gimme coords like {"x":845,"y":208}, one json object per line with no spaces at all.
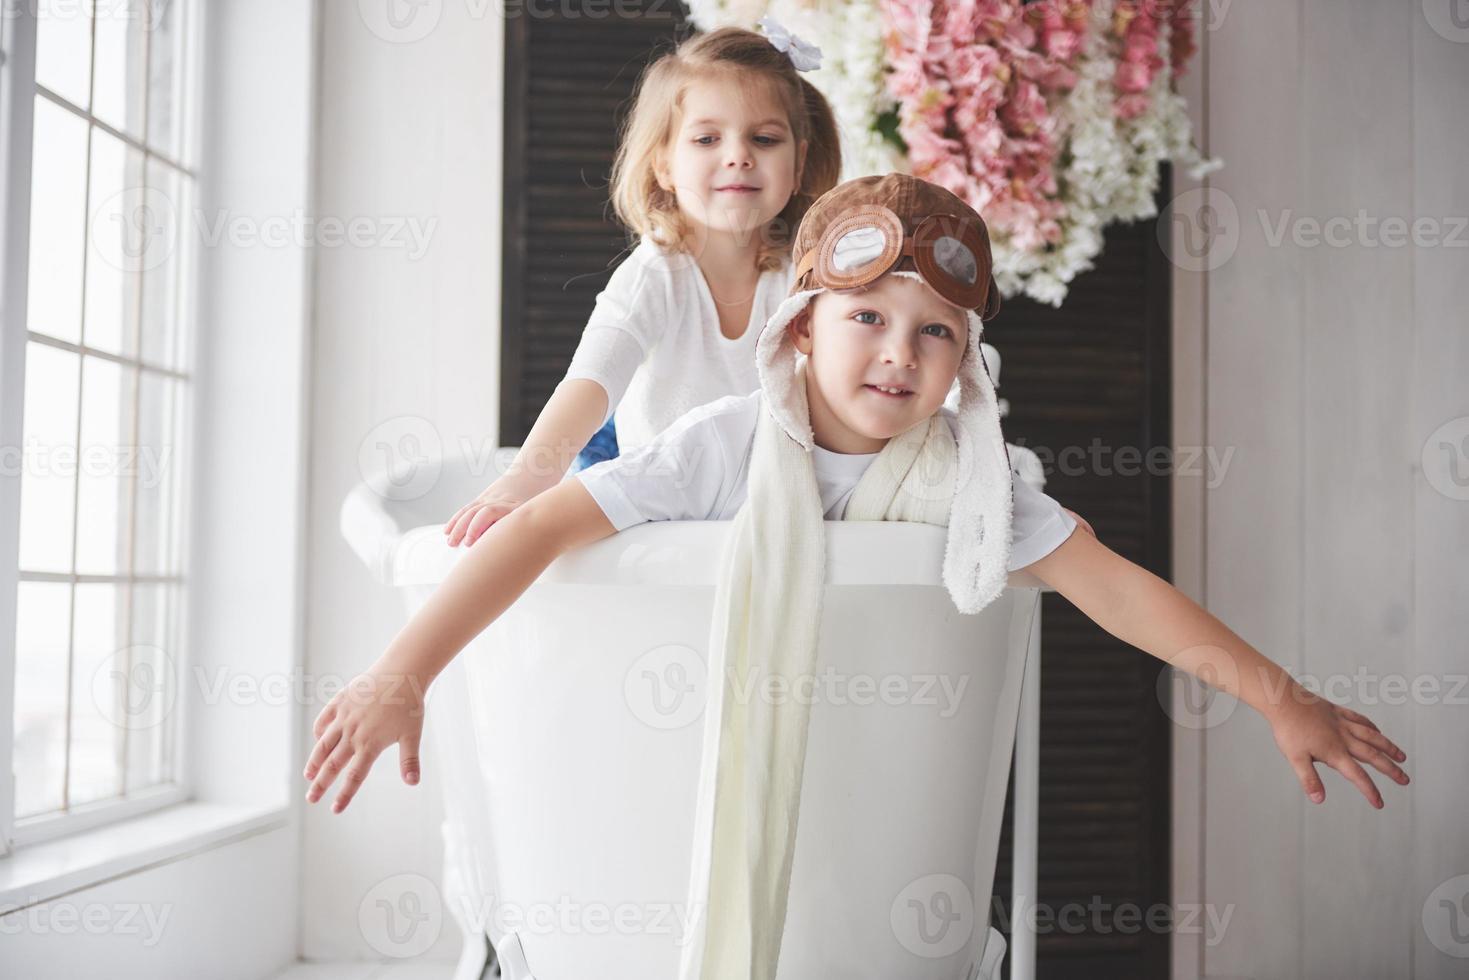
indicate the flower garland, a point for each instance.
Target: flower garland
{"x":1050,"y":118}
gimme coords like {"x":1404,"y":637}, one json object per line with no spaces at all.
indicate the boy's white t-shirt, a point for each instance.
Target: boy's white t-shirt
{"x":698,"y":470}
{"x":653,"y":341}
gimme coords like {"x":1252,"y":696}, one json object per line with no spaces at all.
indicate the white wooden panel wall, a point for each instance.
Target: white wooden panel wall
{"x":1439,"y":394}
{"x":1328,"y":545}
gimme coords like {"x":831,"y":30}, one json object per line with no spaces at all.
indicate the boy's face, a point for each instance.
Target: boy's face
{"x":723,"y":143}
{"x":894,"y":332}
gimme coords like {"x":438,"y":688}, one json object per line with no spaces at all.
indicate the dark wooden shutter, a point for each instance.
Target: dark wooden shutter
{"x":1097,"y":368}
{"x":569,"y":75}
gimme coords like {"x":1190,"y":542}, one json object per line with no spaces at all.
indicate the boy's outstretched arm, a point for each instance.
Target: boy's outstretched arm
{"x":1141,"y":609}
{"x":384,"y":705}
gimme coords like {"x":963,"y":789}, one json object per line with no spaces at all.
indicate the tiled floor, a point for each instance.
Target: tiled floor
{"x":417,"y":970}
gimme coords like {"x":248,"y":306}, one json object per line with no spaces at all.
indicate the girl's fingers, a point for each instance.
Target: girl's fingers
{"x":1349,"y":768}
{"x":484,"y":519}
{"x":334,"y":764}
{"x":1310,"y":782}
{"x":1375,"y":738}
{"x":353,"y":777}
{"x":408,"y":758}
{"x":1364,"y":750}
{"x":324,"y":745}
{"x":462,"y":525}
{"x":449,"y":524}
{"x":1358,"y":717}
{"x":324,"y":718}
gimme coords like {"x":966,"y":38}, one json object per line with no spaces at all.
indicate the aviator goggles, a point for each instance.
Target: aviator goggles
{"x":950,"y":252}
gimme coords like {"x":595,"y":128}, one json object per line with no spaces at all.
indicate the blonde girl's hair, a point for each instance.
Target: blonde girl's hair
{"x":746,"y":59}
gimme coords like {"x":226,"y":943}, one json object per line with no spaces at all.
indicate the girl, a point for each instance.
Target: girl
{"x":725,"y":148}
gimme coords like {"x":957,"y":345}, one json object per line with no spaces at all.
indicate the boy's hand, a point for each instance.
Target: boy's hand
{"x":1309,"y":729}
{"x":377,"y":709}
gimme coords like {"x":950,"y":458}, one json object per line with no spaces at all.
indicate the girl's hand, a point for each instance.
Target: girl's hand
{"x":493,"y":503}
{"x":377,"y":709}
{"x":1309,"y":729}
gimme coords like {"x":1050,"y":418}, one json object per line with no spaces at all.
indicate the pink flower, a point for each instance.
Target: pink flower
{"x":975,"y":81}
{"x":1132,"y":106}
{"x":1133,"y":76}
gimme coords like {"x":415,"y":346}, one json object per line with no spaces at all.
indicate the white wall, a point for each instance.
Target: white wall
{"x":1333,"y":543}
{"x":406,"y":348}
{"x":225,"y":913}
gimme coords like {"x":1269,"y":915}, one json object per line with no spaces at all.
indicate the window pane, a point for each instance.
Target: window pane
{"x":120,"y":63}
{"x":163,"y":336}
{"x":44,"y":610}
{"x":64,"y":48}
{"x":168,"y":79}
{"x":105,"y":467}
{"x":124,"y":234}
{"x":102,"y":692}
{"x":154,"y":667}
{"x":58,"y":222}
{"x":48,"y":474}
{"x":160,"y":465}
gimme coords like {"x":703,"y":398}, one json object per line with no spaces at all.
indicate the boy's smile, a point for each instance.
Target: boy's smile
{"x":882,"y":358}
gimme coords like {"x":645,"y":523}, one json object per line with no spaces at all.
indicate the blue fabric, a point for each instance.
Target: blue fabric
{"x":603,"y":445}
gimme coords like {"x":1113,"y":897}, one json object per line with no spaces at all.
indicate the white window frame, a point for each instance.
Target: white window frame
{"x":18,"y":92}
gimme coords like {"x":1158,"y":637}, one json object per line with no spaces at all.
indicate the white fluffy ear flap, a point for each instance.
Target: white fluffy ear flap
{"x":991,"y":362}
{"x":977,"y":555}
{"x":775,"y":359}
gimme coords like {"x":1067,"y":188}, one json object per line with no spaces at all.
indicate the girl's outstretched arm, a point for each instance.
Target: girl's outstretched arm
{"x":384,"y":705}
{"x":1141,"y":609}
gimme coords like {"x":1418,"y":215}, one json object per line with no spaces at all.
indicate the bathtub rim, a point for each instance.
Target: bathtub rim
{"x":687,"y":553}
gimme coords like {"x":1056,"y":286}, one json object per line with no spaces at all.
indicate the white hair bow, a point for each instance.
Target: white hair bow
{"x":805,"y":56}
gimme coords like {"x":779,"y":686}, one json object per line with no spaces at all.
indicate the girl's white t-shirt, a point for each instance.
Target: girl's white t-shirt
{"x":653,"y":341}
{"x":698,"y":470}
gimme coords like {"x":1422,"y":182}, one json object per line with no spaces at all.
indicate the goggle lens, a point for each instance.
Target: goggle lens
{"x":955,"y":258}
{"x":858,"y":248}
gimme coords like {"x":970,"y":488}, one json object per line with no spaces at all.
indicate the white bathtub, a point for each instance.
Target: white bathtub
{"x":568,"y":739}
